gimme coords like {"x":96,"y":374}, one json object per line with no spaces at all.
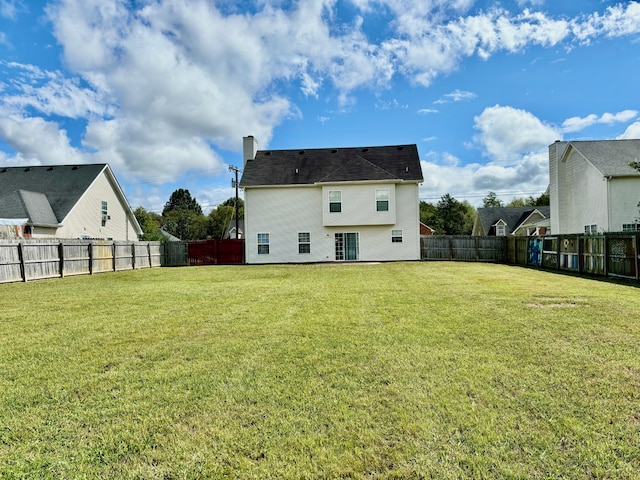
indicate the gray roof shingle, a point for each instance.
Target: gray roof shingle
{"x":31,"y":205}
{"x":610,"y":157}
{"x":61,"y":185}
{"x":513,"y":216}
{"x":329,"y":165}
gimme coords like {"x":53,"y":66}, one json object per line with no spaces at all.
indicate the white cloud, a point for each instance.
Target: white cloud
{"x":443,"y":174}
{"x":632,"y":132}
{"x":52,"y":145}
{"x":11,"y":8}
{"x":507,"y":133}
{"x":426,"y":111}
{"x":576,"y":124}
{"x":456,"y":96}
{"x":164,"y":87}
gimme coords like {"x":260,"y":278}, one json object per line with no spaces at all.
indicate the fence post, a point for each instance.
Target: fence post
{"x":90,"y":258}
{"x":637,"y":244}
{"x":605,"y":247}
{"x":23,"y":270}
{"x":149,"y":253}
{"x":133,"y":256}
{"x":580,"y":253}
{"x":61,"y":258}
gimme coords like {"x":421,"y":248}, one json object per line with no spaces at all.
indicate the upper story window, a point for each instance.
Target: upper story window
{"x":335,"y":201}
{"x":382,"y":200}
{"x":104,"y":213}
{"x":501,"y":230}
{"x":263,"y":244}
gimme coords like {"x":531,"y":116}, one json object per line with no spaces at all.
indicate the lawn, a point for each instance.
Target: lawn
{"x":399,"y":370}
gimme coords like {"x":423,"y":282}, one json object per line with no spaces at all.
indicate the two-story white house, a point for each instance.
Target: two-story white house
{"x":592,"y":188}
{"x":331,"y":204}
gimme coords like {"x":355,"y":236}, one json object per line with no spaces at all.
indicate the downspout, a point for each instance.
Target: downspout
{"x":608,"y":179}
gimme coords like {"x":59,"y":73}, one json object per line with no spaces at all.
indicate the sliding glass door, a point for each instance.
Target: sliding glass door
{"x":346,"y":246}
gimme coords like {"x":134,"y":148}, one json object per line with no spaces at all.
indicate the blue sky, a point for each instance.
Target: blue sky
{"x":164,"y":90}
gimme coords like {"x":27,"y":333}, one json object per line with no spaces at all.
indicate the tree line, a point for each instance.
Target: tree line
{"x":183,"y":218}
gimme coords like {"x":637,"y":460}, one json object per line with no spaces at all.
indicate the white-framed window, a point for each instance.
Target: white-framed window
{"x":501,"y":230}
{"x":335,"y":201}
{"x":382,"y":200}
{"x":304,"y":242}
{"x":104,"y":212}
{"x":396,"y":236}
{"x":263,"y":244}
{"x":590,"y":229}
{"x":631,"y":227}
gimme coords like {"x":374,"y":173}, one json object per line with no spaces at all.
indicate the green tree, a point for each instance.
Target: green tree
{"x":220,"y":217}
{"x":429,"y":216}
{"x":150,"y":223}
{"x":182,"y":224}
{"x":492,"y":200}
{"x":542,"y":200}
{"x":456,"y":217}
{"x":181,"y":199}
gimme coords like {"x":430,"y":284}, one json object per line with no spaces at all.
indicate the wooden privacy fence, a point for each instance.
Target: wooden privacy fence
{"x":218,"y":251}
{"x":463,"y":248}
{"x":612,"y":255}
{"x":35,"y":259}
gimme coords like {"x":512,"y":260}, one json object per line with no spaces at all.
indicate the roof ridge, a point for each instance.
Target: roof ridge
{"x":351,"y":160}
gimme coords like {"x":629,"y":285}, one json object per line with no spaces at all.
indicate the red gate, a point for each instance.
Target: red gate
{"x":216,"y":252}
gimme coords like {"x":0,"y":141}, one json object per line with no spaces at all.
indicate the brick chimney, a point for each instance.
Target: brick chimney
{"x":249,"y":149}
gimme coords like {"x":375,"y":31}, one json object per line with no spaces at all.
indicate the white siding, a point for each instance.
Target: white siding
{"x":624,"y":195}
{"x":359,"y":205}
{"x":85,"y":218}
{"x":285,"y":212}
{"x":553,"y":186}
{"x":582,"y":196}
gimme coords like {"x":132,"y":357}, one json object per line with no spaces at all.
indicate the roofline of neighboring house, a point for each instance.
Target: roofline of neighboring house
{"x":571,"y":146}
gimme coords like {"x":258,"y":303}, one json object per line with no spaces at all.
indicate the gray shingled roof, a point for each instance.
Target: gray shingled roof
{"x":610,"y":157}
{"x":328,"y":165}
{"x":31,"y":205}
{"x":513,"y":216}
{"x":62,"y":185}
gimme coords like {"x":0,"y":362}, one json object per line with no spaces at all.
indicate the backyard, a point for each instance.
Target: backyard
{"x":398,"y":370}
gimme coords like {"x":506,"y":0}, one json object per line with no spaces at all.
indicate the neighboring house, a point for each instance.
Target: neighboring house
{"x":331,"y":204}
{"x":592,"y":188}
{"x":514,"y":221}
{"x":230,"y":231}
{"x":426,"y":230}
{"x":167,"y":236}
{"x":67,"y":201}
{"x":13,"y":227}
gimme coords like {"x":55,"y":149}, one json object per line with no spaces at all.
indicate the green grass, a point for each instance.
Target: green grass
{"x":403,"y":370}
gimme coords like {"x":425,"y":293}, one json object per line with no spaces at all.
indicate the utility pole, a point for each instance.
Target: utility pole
{"x":234,"y":183}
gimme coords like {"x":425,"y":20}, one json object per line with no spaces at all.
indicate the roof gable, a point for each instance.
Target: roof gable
{"x":62,"y":185}
{"x":610,"y":157}
{"x":331,"y":165}
{"x":512,"y":217}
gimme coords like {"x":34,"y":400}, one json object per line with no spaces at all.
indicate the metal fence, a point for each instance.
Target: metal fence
{"x":35,"y":259}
